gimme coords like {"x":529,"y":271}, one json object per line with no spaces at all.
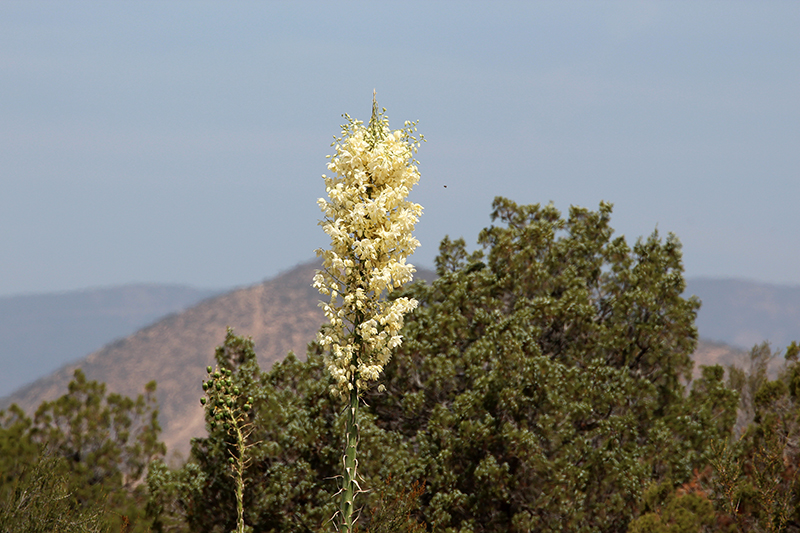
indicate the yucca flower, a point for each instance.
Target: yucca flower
{"x":370,"y":223}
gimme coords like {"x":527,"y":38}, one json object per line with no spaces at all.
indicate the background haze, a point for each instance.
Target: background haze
{"x":182,"y":142}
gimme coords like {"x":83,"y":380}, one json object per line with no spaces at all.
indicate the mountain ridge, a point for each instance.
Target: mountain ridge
{"x":745,"y":313}
{"x":281,"y":315}
{"x":278,"y":314}
{"x":41,"y":332}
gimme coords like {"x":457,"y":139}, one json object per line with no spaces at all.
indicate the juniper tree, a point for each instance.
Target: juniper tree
{"x":541,"y":378}
{"x":756,"y":483}
{"x":91,"y":448}
{"x":540,"y":386}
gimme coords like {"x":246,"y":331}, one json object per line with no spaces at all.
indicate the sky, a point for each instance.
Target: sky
{"x":184,"y":142}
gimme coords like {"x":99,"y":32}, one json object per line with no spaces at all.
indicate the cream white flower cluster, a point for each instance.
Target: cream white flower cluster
{"x":370,"y":223}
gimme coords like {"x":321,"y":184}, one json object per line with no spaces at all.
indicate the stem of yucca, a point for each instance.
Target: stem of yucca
{"x":239,"y":477}
{"x":350,"y":484}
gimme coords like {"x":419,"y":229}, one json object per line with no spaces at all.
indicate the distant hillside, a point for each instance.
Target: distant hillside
{"x":282,"y":315}
{"x":710,"y":353}
{"x":40,"y":333}
{"x":745,"y":313}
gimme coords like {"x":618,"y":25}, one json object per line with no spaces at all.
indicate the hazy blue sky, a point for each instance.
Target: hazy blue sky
{"x":184,"y":141}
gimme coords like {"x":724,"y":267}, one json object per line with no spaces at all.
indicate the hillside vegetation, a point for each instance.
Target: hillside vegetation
{"x":542,"y":385}
{"x":281,"y":315}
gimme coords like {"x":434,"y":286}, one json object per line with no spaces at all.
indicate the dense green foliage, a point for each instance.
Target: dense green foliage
{"x":294,"y":421}
{"x":81,"y":460}
{"x":543,"y":389}
{"x":540,"y":387}
{"x":290,"y":477}
{"x":544,"y":384}
{"x":756,"y":476}
{"x":681,"y":511}
{"x":40,"y":500}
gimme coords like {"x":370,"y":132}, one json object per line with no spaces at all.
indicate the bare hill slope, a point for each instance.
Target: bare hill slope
{"x":39,"y":333}
{"x":280,"y":314}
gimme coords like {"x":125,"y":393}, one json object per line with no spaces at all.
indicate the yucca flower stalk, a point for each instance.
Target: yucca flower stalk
{"x":370,"y":223}
{"x":229,"y":409}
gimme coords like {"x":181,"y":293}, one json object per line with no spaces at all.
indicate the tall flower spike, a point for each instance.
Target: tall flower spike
{"x":369,"y":221}
{"x":370,"y":224}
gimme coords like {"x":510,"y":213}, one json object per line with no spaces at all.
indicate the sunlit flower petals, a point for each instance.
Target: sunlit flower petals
{"x":370,"y":224}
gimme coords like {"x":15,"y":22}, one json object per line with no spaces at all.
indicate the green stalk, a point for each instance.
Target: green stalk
{"x":350,"y":484}
{"x":239,"y":477}
{"x":222,"y":399}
